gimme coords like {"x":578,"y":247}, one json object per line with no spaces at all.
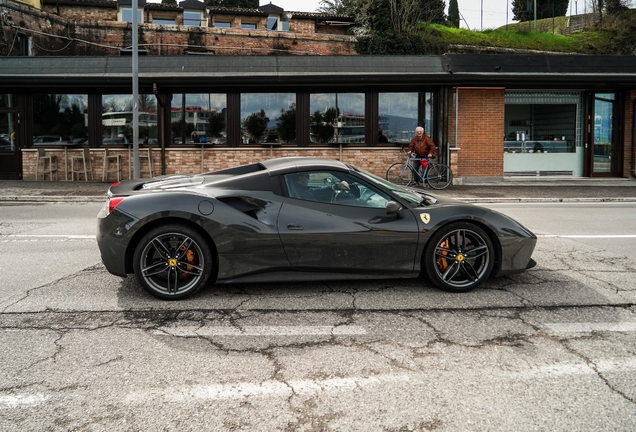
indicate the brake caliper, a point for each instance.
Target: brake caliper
{"x":189,"y":255}
{"x":442,"y":263}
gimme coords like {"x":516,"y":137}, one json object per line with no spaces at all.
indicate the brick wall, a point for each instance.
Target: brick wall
{"x":82,"y":13}
{"x":189,"y":160}
{"x":479,"y":133}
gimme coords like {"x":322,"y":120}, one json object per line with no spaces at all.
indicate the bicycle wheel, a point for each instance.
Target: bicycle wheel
{"x":439,"y":176}
{"x":398,"y":175}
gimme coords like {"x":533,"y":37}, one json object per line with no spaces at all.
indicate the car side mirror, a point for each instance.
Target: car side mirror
{"x":392,"y":207}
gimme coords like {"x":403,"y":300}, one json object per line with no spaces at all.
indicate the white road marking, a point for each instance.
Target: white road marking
{"x":54,"y":236}
{"x":267,"y":388}
{"x":244,"y":390}
{"x":263,"y":331}
{"x":606,"y":236}
{"x":588,"y":327}
{"x":21,"y":400}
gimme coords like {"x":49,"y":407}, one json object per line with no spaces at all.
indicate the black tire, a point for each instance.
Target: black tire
{"x":173,"y":262}
{"x":439,"y":176}
{"x":395,"y":175}
{"x":459,"y":257}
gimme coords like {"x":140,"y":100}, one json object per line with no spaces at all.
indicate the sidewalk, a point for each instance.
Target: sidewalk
{"x":544,"y":190}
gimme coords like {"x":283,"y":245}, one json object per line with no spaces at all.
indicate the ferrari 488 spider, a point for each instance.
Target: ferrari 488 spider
{"x":299,"y":219}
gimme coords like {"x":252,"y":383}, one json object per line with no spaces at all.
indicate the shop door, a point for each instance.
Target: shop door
{"x":604,"y":147}
{"x":10,"y":161}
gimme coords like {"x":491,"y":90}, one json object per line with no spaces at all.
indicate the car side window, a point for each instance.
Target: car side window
{"x":334,"y":187}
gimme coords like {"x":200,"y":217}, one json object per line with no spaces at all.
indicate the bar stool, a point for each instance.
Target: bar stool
{"x":49,"y":165}
{"x":148,"y":158}
{"x":108,"y":161}
{"x":82,"y":165}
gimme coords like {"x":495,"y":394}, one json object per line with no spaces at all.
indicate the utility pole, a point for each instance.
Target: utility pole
{"x":482,"y":15}
{"x":135,"y":86}
{"x":535,"y":15}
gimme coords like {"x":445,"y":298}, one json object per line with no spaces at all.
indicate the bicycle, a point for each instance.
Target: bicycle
{"x":438,"y":176}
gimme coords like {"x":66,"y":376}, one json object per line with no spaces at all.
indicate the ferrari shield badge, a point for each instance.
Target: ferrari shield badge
{"x":426,"y":218}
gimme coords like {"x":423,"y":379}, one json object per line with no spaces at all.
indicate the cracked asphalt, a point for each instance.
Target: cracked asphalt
{"x":551,"y":349}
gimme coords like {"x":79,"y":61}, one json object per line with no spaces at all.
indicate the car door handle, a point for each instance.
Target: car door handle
{"x":294,"y":227}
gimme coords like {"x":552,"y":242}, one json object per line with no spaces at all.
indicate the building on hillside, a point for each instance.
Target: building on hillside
{"x":103,"y":28}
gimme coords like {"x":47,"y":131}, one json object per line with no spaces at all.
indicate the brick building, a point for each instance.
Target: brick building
{"x":492,"y":116}
{"x":103,"y":27}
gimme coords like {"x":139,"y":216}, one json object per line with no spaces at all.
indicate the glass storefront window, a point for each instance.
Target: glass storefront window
{"x":117,"y":119}
{"x":401,"y":113}
{"x":7,"y":132}
{"x":7,"y":101}
{"x":603,"y":131}
{"x":542,"y":134}
{"x":268,"y":118}
{"x":199,"y":118}
{"x":537,"y":128}
{"x":60,"y":118}
{"x":337,"y":118}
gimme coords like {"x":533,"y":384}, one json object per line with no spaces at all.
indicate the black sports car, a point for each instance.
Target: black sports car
{"x":298,"y":218}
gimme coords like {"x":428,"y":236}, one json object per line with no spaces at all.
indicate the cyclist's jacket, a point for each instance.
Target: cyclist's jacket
{"x":422,"y":146}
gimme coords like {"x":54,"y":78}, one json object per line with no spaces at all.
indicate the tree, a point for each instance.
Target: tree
{"x":523,"y":10}
{"x":339,"y":7}
{"x":147,"y":103}
{"x":453,"y":14}
{"x":394,"y":26}
{"x":46,"y":109}
{"x":216,"y":123}
{"x":616,"y":6}
{"x":169,"y":2}
{"x":286,"y":124}
{"x":322,"y":125}
{"x":110,"y":106}
{"x":256,"y":124}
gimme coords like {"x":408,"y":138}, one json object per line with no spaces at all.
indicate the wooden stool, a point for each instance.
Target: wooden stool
{"x":82,"y":165}
{"x":49,"y":164}
{"x":108,"y":161}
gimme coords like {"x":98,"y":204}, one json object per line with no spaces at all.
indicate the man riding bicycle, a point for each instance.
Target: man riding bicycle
{"x":421,"y":146}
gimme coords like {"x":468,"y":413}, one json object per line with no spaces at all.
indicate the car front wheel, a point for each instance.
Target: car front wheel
{"x":459,"y":257}
{"x":172,"y":262}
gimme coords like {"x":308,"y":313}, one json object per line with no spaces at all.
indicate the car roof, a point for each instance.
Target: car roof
{"x":299,"y":163}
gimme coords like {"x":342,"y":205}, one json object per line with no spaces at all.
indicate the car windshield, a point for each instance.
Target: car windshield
{"x":411,"y":197}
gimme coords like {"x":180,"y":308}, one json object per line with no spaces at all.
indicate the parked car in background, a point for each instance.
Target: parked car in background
{"x":52,"y":140}
{"x":5,"y":144}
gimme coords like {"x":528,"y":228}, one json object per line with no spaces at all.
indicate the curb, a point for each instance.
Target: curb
{"x":52,"y":198}
{"x":79,"y":199}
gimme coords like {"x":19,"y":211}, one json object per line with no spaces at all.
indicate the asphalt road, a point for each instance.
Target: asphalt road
{"x":551,"y":349}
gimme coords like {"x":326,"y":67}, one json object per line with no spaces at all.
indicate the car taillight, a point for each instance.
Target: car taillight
{"x":113,"y":202}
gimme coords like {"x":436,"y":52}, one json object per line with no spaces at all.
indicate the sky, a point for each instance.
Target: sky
{"x":477,"y":14}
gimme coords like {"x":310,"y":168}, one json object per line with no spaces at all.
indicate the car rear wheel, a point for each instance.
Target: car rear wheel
{"x":459,"y":257}
{"x":172,"y":262}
